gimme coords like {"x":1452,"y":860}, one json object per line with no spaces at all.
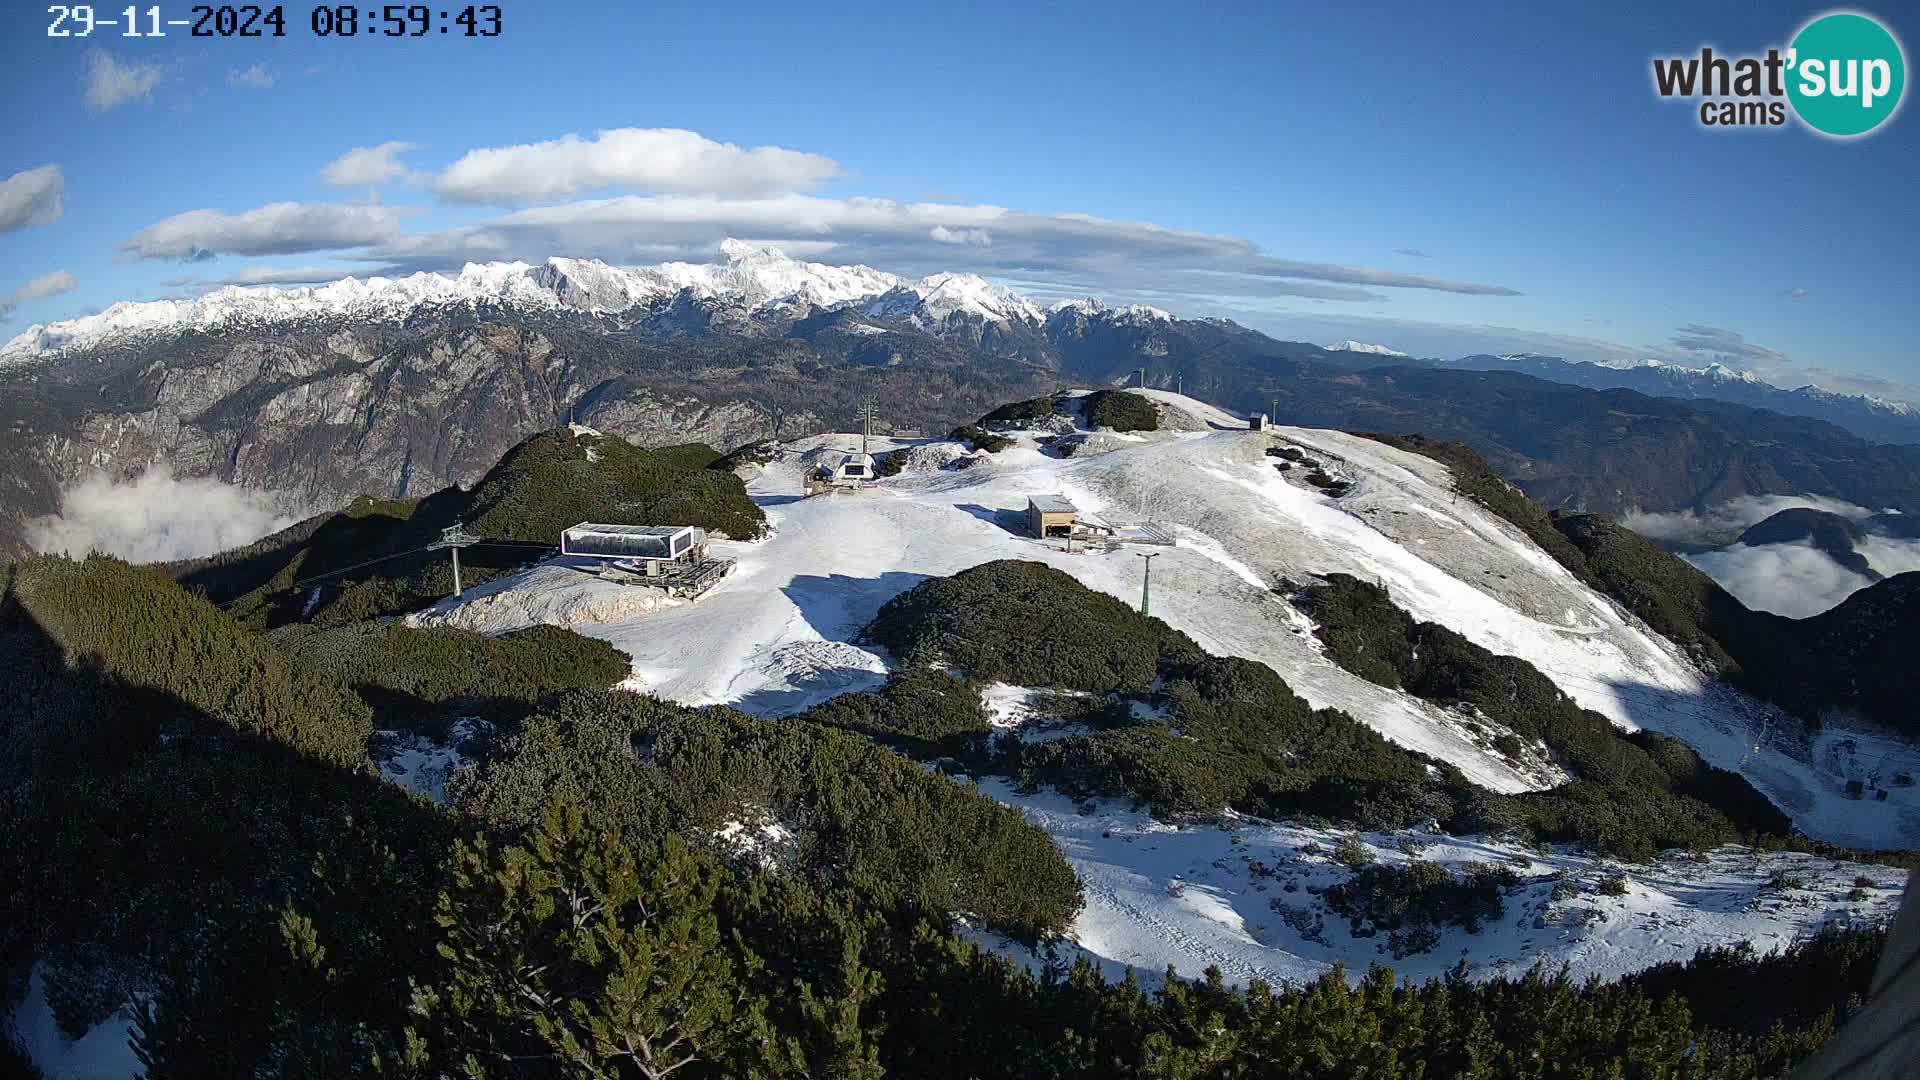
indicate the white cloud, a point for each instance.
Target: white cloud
{"x":369,"y":166}
{"x":1722,"y":523}
{"x":39,"y":288}
{"x":156,"y":517}
{"x":265,"y":275}
{"x":279,"y":229}
{"x":1795,"y":580}
{"x":642,"y":159}
{"x":34,"y":197}
{"x":961,"y":236}
{"x":1728,"y":347}
{"x":1116,"y":257}
{"x":702,"y":192}
{"x":256,"y":77}
{"x":111,"y":83}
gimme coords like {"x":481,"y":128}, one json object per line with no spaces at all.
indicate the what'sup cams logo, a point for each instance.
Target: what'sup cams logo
{"x":1842,"y":76}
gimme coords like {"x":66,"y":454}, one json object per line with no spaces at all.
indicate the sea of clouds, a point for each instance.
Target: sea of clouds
{"x":1797,"y":579}
{"x":156,"y":517}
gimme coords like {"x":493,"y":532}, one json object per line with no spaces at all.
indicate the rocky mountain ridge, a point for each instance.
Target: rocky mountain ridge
{"x":395,"y":388}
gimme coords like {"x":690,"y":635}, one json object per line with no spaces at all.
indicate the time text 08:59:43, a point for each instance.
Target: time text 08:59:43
{"x":256,"y":21}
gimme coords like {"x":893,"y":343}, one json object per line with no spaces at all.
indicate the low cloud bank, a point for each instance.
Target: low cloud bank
{"x":155,"y":518}
{"x":1796,"y":580}
{"x":1723,"y":523}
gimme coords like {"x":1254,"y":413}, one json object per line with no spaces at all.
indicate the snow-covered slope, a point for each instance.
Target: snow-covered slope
{"x":1092,"y":307}
{"x":782,"y":633}
{"x":754,"y":279}
{"x":1245,"y":897}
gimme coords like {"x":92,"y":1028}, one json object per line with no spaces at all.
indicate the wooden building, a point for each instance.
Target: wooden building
{"x":1051,"y":516}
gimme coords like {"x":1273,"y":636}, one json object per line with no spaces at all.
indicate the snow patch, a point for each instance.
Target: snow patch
{"x":1245,"y":896}
{"x":552,"y":593}
{"x":105,"y":1052}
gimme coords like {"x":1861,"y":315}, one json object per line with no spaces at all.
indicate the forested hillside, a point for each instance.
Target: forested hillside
{"x":369,"y":560}
{"x":283,"y":912}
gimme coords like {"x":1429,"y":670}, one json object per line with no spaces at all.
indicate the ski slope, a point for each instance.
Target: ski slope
{"x":782,"y":633}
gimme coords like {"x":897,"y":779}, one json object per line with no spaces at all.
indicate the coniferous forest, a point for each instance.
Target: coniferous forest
{"x":199,"y":833}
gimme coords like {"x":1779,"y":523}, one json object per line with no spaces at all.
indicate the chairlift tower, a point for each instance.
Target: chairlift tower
{"x":1146,"y":582}
{"x":453,"y":538}
{"x":867,"y":410}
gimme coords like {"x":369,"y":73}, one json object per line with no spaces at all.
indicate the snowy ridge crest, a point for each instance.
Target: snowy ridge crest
{"x":755,"y":278}
{"x":1362,"y":347}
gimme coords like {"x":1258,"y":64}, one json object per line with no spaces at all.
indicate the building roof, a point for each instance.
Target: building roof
{"x":588,"y":528}
{"x":664,"y":542}
{"x":1052,"y":504}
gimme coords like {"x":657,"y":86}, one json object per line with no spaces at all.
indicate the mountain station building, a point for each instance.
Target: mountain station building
{"x":670,"y":557}
{"x":1051,"y":516}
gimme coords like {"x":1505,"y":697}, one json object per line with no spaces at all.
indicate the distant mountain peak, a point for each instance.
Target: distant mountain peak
{"x":1872,"y":417}
{"x":1362,"y":347}
{"x":1094,"y":307}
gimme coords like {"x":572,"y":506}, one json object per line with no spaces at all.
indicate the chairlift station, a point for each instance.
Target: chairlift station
{"x":669,"y":557}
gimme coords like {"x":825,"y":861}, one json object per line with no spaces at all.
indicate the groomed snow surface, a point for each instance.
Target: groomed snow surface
{"x":780,"y":634}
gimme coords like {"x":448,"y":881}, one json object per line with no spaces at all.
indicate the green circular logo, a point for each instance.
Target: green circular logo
{"x":1845,"y":74}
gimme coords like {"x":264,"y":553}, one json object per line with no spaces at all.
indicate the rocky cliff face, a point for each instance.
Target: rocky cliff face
{"x":315,"y":416}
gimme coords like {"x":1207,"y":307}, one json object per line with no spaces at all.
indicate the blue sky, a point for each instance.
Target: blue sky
{"x":1427,"y":176}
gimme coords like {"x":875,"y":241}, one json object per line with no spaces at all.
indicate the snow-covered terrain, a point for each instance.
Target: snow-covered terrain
{"x":558,"y":593}
{"x":102,"y":1053}
{"x":1245,"y":896}
{"x":755,"y":279}
{"x":781,"y":633}
{"x":1362,"y":347}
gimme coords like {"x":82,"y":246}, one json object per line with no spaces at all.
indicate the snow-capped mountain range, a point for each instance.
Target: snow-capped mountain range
{"x":1714,"y":373}
{"x":1880,"y":419}
{"x":760,"y":292}
{"x":758,"y":281}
